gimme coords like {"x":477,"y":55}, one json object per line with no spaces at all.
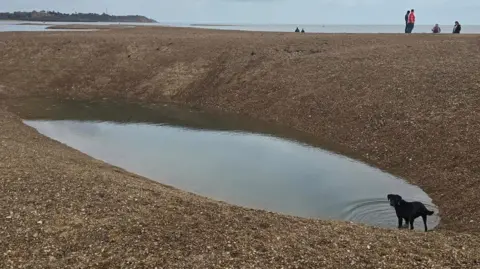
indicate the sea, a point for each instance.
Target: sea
{"x":8,"y":26}
{"x":328,"y":28}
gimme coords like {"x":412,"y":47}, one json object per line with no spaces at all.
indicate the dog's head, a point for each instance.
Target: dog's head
{"x":394,"y":199}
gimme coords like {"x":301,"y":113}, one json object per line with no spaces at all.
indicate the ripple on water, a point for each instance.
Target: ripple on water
{"x":378,"y":212}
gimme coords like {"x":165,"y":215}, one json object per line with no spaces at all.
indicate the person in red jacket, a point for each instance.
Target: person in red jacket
{"x":411,"y":21}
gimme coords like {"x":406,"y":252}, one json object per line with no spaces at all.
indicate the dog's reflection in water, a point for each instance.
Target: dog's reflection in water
{"x":409,"y":211}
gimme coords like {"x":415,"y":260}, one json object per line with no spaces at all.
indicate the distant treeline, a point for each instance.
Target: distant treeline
{"x":74,"y":17}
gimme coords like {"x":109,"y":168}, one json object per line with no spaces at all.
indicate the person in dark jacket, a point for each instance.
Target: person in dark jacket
{"x":406,"y":21}
{"x":297,"y":30}
{"x":457,"y":28}
{"x":436,"y":29}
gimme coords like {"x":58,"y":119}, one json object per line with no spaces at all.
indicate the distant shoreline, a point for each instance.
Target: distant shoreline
{"x":212,"y":24}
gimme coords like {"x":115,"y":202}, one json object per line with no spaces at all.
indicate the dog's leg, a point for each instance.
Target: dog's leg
{"x":411,"y":223}
{"x":406,"y":223}
{"x":400,"y":222}
{"x":424,"y":217}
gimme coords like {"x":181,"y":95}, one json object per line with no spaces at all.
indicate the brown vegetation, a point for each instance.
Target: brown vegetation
{"x":408,"y":104}
{"x":33,"y":23}
{"x":90,"y":26}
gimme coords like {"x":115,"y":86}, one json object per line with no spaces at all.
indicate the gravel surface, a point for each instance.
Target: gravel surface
{"x":407,"y":104}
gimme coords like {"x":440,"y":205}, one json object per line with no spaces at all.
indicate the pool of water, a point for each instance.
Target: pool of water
{"x":23,"y":26}
{"x":227,"y":158}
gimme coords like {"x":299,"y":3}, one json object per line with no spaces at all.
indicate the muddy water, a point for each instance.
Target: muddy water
{"x":25,"y":26}
{"x":243,"y":162}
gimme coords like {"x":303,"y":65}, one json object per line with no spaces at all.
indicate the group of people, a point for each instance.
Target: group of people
{"x":456,"y":28}
{"x":410,"y":24}
{"x":298,"y":30}
{"x":409,"y":21}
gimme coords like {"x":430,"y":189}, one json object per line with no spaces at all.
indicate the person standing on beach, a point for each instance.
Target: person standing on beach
{"x":457,"y":28}
{"x":406,"y":21}
{"x":411,"y":21}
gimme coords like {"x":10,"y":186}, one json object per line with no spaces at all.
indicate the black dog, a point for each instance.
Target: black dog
{"x":409,"y":210}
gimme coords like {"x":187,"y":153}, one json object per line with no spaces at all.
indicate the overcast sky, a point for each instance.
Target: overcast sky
{"x":269,"y":11}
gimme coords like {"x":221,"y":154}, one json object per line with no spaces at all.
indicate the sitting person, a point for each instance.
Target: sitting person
{"x":457,"y":28}
{"x":436,"y":29}
{"x":297,"y":30}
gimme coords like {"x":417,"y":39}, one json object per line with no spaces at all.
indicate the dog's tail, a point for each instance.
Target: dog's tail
{"x":430,"y":212}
